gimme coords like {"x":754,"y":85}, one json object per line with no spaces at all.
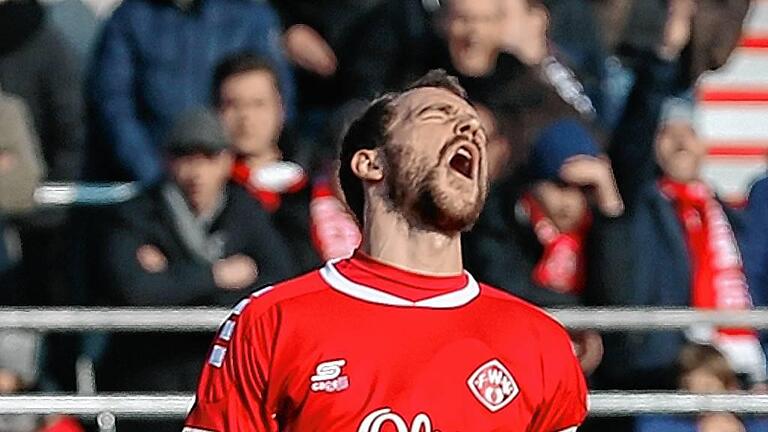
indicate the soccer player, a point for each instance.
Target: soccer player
{"x":397,"y":338}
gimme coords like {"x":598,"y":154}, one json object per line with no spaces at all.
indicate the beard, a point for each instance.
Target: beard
{"x":427,"y":196}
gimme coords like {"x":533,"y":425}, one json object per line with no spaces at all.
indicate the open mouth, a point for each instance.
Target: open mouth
{"x":461,"y":162}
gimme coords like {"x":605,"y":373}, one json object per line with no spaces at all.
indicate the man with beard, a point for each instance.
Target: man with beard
{"x":398,"y":337}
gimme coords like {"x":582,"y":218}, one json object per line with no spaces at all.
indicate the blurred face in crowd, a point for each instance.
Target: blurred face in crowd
{"x":524,"y":30}
{"x":201,"y":177}
{"x":472,"y":29}
{"x":437,"y":175}
{"x":251,"y":111}
{"x":565,"y":205}
{"x":679,"y":151}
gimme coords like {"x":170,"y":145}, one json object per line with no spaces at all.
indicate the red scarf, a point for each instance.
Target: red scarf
{"x":562,"y":266}
{"x":718,"y":280}
{"x":269,"y":199}
{"x":334,"y":232}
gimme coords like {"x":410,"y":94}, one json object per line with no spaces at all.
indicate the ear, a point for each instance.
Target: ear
{"x":365,"y":164}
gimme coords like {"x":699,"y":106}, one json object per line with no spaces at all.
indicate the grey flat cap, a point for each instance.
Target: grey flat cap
{"x":196,"y":130}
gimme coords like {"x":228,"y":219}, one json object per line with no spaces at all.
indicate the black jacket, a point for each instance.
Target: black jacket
{"x":186,"y":281}
{"x":38,"y":65}
{"x":502,"y":250}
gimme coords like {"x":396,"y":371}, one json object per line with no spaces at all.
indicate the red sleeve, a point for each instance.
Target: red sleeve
{"x":565,"y":390}
{"x":231,"y":396}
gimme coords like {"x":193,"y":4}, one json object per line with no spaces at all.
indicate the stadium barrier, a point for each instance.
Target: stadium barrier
{"x":129,"y":405}
{"x":80,"y":319}
{"x":174,"y":405}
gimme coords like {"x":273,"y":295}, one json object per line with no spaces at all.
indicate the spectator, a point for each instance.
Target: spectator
{"x":30,"y":49}
{"x":702,"y":369}
{"x":192,"y":240}
{"x":319,"y":39}
{"x":526,"y":97}
{"x":659,"y":253}
{"x":19,"y":359}
{"x":21,"y":169}
{"x":531,"y":240}
{"x":29,"y":43}
{"x":251,"y":109}
{"x":156,"y":59}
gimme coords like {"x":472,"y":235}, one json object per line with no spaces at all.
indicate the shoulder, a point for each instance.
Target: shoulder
{"x":271,"y":299}
{"x":520,"y":309}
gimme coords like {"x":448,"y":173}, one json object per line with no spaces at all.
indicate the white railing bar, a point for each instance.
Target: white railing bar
{"x":612,"y":404}
{"x":176,"y":405}
{"x":77,"y":319}
{"x":67,"y":193}
{"x":171,"y":405}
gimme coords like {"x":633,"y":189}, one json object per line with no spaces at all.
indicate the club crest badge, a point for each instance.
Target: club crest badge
{"x":493,"y":385}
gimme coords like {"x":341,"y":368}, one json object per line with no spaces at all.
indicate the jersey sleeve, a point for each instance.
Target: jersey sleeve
{"x":565,"y":404}
{"x":231,"y":395}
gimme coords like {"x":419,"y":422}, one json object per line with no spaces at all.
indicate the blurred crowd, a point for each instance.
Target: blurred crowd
{"x":227,"y":114}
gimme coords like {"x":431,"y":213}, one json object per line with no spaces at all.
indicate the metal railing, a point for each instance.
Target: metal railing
{"x":128,"y":405}
{"x":175,"y":405}
{"x":79,"y":319}
{"x":67,"y":194}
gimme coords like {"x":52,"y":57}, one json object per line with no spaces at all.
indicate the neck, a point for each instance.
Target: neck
{"x":208,"y":209}
{"x":389,"y":238}
{"x":256,"y":161}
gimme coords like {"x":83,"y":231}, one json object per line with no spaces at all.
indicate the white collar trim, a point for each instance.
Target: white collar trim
{"x":453,"y":299}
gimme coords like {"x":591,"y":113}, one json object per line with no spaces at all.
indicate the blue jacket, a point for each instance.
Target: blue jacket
{"x":641,"y":258}
{"x":755,"y":243}
{"x":155,"y":60}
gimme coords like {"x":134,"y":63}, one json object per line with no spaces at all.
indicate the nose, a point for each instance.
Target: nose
{"x":467,"y":126}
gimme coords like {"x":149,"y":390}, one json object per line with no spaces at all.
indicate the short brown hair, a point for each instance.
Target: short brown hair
{"x":697,"y":356}
{"x":236,"y":64}
{"x":371,"y":130}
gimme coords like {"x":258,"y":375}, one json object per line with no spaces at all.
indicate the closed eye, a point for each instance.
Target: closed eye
{"x":436,"y":111}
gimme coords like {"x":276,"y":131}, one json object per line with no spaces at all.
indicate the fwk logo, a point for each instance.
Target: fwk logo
{"x":328,"y":377}
{"x":493,"y":385}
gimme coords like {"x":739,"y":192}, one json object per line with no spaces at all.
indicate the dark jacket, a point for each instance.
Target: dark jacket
{"x":339,"y":22}
{"x":641,"y":258}
{"x":37,"y":65}
{"x":754,"y":242}
{"x":154,"y":61}
{"x":502,"y":249}
{"x":185,"y":281}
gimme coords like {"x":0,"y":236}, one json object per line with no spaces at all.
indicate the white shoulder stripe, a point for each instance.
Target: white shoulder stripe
{"x":191,"y":429}
{"x":445,"y":301}
{"x":570,"y":429}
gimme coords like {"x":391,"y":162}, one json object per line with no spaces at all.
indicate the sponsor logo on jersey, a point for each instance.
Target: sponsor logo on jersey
{"x":329,"y":377}
{"x":375,"y":421}
{"x":493,"y":385}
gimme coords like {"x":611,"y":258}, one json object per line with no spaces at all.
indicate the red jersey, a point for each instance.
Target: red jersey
{"x":360,"y":346}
